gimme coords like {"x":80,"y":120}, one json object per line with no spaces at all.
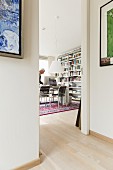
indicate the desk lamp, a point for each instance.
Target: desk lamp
{"x":56,"y":68}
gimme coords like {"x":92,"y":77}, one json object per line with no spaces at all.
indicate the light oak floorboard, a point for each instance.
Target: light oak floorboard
{"x":64,"y":147}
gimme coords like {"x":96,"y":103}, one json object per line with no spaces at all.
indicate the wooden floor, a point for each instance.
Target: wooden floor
{"x":63,"y":146}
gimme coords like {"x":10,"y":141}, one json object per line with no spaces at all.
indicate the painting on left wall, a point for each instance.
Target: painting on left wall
{"x":11,"y":28}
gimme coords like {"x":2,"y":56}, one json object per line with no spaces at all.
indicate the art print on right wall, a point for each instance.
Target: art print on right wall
{"x":106,"y":34}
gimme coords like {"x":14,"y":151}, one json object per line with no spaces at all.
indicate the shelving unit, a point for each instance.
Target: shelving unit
{"x":71,"y":77}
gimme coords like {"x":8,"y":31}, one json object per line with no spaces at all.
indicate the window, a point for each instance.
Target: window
{"x":43,"y":64}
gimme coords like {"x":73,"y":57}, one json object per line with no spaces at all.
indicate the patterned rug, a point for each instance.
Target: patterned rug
{"x":53,"y":108}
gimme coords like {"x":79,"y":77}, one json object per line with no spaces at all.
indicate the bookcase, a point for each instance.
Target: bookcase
{"x":71,"y":76}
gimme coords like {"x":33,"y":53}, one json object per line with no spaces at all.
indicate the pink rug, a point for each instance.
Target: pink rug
{"x":53,"y":108}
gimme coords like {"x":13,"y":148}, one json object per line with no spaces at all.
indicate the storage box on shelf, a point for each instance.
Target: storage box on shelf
{"x":71,"y":76}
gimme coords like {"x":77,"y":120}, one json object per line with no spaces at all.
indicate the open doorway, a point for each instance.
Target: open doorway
{"x":64,"y":44}
{"x":60,"y":41}
{"x":58,"y":130}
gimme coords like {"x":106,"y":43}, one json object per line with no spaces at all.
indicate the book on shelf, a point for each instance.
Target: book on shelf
{"x":71,"y":62}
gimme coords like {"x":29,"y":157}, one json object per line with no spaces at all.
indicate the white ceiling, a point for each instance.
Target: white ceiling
{"x":59,"y":26}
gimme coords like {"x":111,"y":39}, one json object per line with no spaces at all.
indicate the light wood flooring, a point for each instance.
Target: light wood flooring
{"x":64,"y":147}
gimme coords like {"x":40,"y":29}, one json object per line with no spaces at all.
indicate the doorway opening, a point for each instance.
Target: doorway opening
{"x":67,"y":48}
{"x":60,"y":41}
{"x":60,"y":44}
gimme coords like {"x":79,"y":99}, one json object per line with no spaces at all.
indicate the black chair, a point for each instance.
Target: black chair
{"x":44,"y":93}
{"x":61,"y":93}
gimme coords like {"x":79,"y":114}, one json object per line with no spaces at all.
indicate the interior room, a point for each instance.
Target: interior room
{"x":60,"y":56}
{"x":53,"y":142}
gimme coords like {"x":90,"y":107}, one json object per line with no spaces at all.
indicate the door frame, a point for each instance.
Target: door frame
{"x":85,"y":63}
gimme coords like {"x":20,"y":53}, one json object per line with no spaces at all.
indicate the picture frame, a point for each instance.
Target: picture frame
{"x":106,"y":34}
{"x":11,"y":28}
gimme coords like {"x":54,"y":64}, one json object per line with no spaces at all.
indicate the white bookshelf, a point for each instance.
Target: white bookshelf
{"x":71,"y":77}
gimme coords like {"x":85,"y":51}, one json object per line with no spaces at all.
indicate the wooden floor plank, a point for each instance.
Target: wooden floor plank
{"x":64,"y":147}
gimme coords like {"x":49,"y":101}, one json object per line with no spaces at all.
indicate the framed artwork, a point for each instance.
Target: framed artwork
{"x":11,"y":28}
{"x":106,"y":34}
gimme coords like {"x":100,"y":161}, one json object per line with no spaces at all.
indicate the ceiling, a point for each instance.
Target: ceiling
{"x":59,"y":26}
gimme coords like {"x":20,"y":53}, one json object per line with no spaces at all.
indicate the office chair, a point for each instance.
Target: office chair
{"x":44,"y":93}
{"x":60,"y":94}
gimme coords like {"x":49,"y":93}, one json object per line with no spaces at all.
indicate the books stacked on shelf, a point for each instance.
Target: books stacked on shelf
{"x":74,"y":79}
{"x":71,"y":62}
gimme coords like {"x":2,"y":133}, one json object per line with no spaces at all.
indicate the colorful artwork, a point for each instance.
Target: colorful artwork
{"x":106,"y":34}
{"x":110,"y":33}
{"x":10,"y":26}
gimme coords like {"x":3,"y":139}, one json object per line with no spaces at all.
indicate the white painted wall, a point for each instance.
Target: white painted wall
{"x":63,"y":34}
{"x":101,"y":81}
{"x":19,"y":121}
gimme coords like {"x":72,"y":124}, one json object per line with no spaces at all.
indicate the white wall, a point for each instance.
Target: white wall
{"x":101,"y":81}
{"x":63,"y":34}
{"x":19,"y":122}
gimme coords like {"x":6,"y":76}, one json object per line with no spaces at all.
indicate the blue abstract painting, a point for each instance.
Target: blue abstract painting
{"x":10,"y":26}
